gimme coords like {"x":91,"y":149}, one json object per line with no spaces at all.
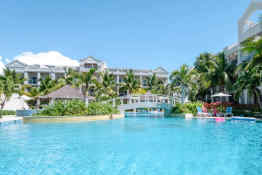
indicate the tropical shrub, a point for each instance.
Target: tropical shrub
{"x":7,"y":112}
{"x":177,"y":108}
{"x":96,"y":108}
{"x":64,"y":108}
{"x":77,"y":108}
{"x":186,"y":108}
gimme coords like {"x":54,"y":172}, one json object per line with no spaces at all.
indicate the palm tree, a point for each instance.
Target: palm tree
{"x":130,"y":83}
{"x":85,"y":80}
{"x":154,"y":84}
{"x":249,"y":80}
{"x":107,"y":87}
{"x":204,"y":68}
{"x":10,"y":83}
{"x":253,"y":47}
{"x":182,"y":78}
{"x":212,"y":71}
{"x":47,"y":85}
{"x":205,"y":63}
{"x":223,"y":75}
{"x":69,"y":77}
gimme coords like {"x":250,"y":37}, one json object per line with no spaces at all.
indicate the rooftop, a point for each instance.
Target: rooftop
{"x":66,"y":92}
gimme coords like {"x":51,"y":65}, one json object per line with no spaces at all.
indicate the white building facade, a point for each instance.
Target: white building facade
{"x":34,"y":73}
{"x":246,"y":29}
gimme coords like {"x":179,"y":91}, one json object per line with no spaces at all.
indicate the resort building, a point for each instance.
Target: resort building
{"x":34,"y":71}
{"x":246,"y":29}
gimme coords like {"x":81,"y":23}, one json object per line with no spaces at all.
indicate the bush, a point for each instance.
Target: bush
{"x":64,"y":108}
{"x":186,"y":108}
{"x":96,"y":108}
{"x":77,"y":108}
{"x":7,"y":112}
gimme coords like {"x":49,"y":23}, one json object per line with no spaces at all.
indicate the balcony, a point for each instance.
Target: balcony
{"x":251,"y":32}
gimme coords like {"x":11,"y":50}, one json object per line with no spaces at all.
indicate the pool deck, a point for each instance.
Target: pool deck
{"x":228,"y":118}
{"x":10,"y":119}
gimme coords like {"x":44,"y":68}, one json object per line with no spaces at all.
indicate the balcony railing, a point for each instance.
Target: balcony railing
{"x":251,"y":32}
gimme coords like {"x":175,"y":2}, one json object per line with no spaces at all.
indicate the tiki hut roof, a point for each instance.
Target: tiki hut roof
{"x":66,"y":92}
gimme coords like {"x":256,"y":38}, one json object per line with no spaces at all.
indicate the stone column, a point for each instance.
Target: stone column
{"x":86,"y":101}
{"x":52,"y":76}
{"x":114,"y":102}
{"x":212,"y":98}
{"x":26,"y":77}
{"x":117,"y":81}
{"x":246,"y":96}
{"x":141,"y":80}
{"x":38,"y":103}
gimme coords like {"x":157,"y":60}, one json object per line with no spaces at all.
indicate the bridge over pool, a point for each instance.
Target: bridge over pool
{"x":146,"y":102}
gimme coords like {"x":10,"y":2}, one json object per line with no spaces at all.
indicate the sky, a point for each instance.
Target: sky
{"x":142,"y":34}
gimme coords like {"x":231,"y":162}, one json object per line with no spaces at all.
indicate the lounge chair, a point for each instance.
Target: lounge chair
{"x":201,"y":113}
{"x":228,"y":112}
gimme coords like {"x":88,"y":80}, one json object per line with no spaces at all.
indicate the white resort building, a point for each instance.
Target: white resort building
{"x":34,"y":71}
{"x":246,"y":29}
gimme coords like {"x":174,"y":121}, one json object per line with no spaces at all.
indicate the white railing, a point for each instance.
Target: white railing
{"x":252,"y":31}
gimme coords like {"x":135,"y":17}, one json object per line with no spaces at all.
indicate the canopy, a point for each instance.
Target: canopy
{"x":221,"y":94}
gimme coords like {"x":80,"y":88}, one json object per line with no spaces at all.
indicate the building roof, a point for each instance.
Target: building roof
{"x":91,"y":58}
{"x":66,"y":92}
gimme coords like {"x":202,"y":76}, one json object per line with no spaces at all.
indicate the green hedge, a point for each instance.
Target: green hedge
{"x":186,"y":108}
{"x":7,"y":112}
{"x":76,"y":108}
{"x":96,"y":108}
{"x":64,"y":108}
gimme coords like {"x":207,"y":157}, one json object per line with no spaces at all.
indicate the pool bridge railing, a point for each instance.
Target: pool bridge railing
{"x":151,"y":102}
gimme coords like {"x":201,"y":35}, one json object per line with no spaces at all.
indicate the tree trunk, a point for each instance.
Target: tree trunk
{"x":1,"y":109}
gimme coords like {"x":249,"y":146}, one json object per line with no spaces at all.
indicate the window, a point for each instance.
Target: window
{"x":144,"y":82}
{"x":33,"y":80}
{"x":89,"y":66}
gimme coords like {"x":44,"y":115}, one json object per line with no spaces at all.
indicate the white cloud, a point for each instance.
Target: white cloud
{"x":1,"y":67}
{"x":53,"y":58}
{"x":1,"y":57}
{"x":7,"y":60}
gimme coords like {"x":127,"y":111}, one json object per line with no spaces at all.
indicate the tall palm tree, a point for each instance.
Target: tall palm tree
{"x":154,"y":84}
{"x":69,"y":77}
{"x":107,"y":87}
{"x":212,"y":71}
{"x":249,"y":80}
{"x":130,"y":83}
{"x":47,"y":85}
{"x":85,"y":81}
{"x":10,"y":83}
{"x":223,"y":75}
{"x":253,"y":47}
{"x":182,"y":78}
{"x":204,"y":68}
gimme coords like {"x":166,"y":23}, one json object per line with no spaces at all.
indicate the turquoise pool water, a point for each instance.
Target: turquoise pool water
{"x":132,"y":146}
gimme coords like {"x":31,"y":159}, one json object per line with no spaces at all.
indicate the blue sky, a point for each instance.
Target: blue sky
{"x":124,"y":33}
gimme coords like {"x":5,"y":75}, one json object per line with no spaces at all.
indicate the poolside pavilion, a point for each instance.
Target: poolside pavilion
{"x":66,"y":93}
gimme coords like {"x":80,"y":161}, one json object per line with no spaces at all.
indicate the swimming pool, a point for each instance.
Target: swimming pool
{"x":134,"y":145}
